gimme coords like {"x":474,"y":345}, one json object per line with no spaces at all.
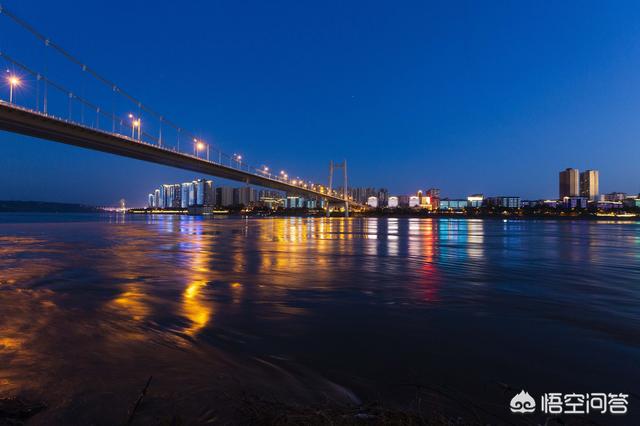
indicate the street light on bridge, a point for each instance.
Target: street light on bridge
{"x":135,"y":123}
{"x":14,"y":81}
{"x":238,"y":158}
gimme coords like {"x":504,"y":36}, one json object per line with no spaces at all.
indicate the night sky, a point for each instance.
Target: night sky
{"x":492,"y":97}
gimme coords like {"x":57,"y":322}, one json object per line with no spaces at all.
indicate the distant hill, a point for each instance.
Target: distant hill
{"x":45,"y":207}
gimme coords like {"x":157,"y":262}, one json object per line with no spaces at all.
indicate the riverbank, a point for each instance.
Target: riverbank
{"x":399,"y":213}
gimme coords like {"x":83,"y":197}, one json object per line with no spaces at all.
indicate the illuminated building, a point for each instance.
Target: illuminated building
{"x":589,"y":184}
{"x":177,"y":196}
{"x":193,"y":194}
{"x":184,"y":195}
{"x":224,"y":196}
{"x":383,"y":197}
{"x":506,"y":202}
{"x":434,"y":195}
{"x":152,"y":201}
{"x":615,"y":196}
{"x":156,"y":197}
{"x":609,"y":205}
{"x":426,"y":202}
{"x":447,"y":204}
{"x":209,"y":194}
{"x":393,"y":202}
{"x":414,"y":201}
{"x":433,"y":192}
{"x":575,"y":202}
{"x":568,"y":183}
{"x":294,"y":202}
{"x":372,"y":202}
{"x":475,"y":200}
{"x":199,"y":192}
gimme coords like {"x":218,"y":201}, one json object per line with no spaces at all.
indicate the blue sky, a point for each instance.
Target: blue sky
{"x":493,"y":97}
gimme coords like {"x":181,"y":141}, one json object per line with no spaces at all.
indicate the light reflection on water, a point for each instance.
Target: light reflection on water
{"x":361,"y":302}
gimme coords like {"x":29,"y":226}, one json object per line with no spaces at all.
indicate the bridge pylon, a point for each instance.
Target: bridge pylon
{"x":345,"y":191}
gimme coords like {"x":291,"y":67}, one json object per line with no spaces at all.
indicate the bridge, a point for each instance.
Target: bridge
{"x":87,"y":125}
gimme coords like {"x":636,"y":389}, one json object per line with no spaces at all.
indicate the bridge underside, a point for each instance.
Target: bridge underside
{"x":38,"y":125}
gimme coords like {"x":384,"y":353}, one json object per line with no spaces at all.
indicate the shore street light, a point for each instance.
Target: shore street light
{"x":14,"y":81}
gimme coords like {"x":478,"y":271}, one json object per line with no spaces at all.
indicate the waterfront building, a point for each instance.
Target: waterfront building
{"x":224,"y":196}
{"x":414,"y":201}
{"x":156,"y":197}
{"x":245,"y":195}
{"x":632,"y":202}
{"x":152,"y":202}
{"x":393,"y":202}
{"x":506,"y":202}
{"x":184,"y":195}
{"x":403,"y":200}
{"x":295,"y":202}
{"x":458,"y":205}
{"x":177,"y":196}
{"x":615,"y":196}
{"x":609,"y":205}
{"x":434,"y":196}
{"x":475,"y":200}
{"x":426,"y":202}
{"x":383,"y":197}
{"x":199,"y":192}
{"x":193,"y":194}
{"x":575,"y":202}
{"x":569,"y":183}
{"x":372,"y":202}
{"x":589,"y":184}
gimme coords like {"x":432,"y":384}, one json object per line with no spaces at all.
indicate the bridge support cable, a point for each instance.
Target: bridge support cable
{"x":119,"y":126}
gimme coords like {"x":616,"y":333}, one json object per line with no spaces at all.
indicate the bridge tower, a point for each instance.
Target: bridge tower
{"x":345,"y":191}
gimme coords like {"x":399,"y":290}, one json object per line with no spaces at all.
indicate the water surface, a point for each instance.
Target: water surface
{"x":460,"y":312}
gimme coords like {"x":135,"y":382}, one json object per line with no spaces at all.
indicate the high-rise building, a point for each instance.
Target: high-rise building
{"x":372,"y":201}
{"x":209,"y":194}
{"x":589,"y":184}
{"x":177,"y":196}
{"x":184,"y":194}
{"x":245,"y":195}
{"x":568,"y":183}
{"x":152,"y":201}
{"x":383,"y":197}
{"x":193,"y":194}
{"x":393,"y":202}
{"x":224,"y":196}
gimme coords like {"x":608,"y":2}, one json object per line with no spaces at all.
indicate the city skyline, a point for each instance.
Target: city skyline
{"x":402,"y":148}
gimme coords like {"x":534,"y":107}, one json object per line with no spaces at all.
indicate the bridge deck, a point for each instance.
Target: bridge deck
{"x":31,"y":123}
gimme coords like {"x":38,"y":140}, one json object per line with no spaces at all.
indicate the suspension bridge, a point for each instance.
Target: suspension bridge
{"x":53,"y":111}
